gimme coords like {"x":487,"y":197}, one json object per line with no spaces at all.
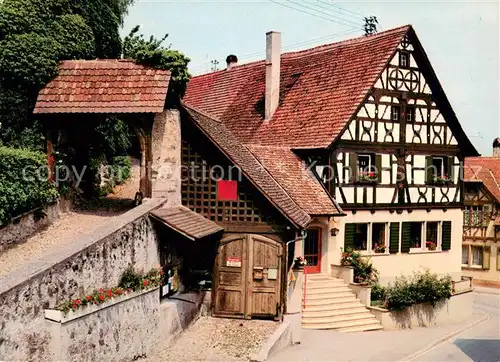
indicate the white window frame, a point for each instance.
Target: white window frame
{"x":423,"y":236}
{"x":369,"y":237}
{"x":467,"y":246}
{"x":404,"y":56}
{"x":398,"y":114}
{"x":471,"y":256}
{"x":370,"y":165}
{"x":443,"y":171}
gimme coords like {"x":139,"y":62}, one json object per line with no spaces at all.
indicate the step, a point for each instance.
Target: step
{"x":344,"y":325}
{"x":365,"y":328}
{"x":325,"y":284}
{"x":330,"y":301}
{"x":328,"y":290}
{"x":334,"y":306}
{"x":326,"y":312}
{"x":330,"y":295}
{"x":319,"y":277}
{"x":339,"y":318}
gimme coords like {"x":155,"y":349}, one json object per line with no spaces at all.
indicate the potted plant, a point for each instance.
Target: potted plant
{"x":431,"y":245}
{"x":299,"y":262}
{"x":442,"y":180}
{"x":379,"y":248}
{"x":367,"y":176}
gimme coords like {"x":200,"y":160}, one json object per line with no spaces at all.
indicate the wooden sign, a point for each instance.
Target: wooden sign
{"x":233,"y":262}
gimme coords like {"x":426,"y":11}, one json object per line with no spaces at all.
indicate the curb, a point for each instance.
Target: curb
{"x":281,"y":337}
{"x":446,"y":338}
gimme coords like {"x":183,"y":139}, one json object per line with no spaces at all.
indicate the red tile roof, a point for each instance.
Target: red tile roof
{"x":486,"y":170}
{"x":292,"y":174}
{"x":321,"y":89}
{"x":186,"y":222}
{"x":240,"y":155}
{"x":104,"y":86}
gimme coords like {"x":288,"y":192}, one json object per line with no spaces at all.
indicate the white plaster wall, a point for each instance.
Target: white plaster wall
{"x":393,"y":265}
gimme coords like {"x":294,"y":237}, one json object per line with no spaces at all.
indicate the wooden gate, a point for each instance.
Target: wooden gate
{"x":248,"y":277}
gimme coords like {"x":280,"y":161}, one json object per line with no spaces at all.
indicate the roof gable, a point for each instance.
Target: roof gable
{"x":104,"y":86}
{"x":321,"y":88}
{"x":485,"y":170}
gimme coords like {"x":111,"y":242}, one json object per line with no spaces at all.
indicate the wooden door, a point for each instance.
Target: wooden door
{"x":231,"y":277}
{"x":248,"y":276}
{"x":312,"y":251}
{"x":266,"y":259}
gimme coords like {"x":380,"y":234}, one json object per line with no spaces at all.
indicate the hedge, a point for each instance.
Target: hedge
{"x":21,"y":187}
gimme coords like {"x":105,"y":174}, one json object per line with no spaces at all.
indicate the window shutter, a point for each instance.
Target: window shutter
{"x":451,"y":168}
{"x":429,"y":172}
{"x":486,"y":257}
{"x":446,"y":236}
{"x":350,"y":229}
{"x":405,"y":238}
{"x":394,"y":238}
{"x":353,"y":165}
{"x":378,"y":165}
{"x":498,"y":257}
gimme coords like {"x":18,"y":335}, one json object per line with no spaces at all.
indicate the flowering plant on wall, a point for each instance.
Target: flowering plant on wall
{"x":379,"y":248}
{"x":444,"y":179}
{"x":367,"y":176}
{"x":431,"y":245}
{"x":130,"y":281}
{"x":299,"y":262}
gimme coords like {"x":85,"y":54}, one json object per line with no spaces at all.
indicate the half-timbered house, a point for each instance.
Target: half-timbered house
{"x":371,"y":121}
{"x":481,"y":236}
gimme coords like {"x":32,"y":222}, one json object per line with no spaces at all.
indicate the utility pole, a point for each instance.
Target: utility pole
{"x":370,"y":25}
{"x":215,"y":64}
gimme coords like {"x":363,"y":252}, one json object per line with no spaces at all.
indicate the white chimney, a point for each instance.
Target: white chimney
{"x":273,"y":64}
{"x":496,"y":147}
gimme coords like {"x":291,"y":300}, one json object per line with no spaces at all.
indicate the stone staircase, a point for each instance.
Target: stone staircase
{"x":330,"y":304}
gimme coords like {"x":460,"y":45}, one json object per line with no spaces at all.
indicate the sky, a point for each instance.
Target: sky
{"x":460,"y":38}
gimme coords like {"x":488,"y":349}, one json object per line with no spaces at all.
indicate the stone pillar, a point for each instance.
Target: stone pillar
{"x":166,"y":157}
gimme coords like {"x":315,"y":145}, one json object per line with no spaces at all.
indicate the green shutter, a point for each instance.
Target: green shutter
{"x":350,"y":229}
{"x":353,"y":165}
{"x":394,"y":238}
{"x":446,"y":236}
{"x":378,"y":165}
{"x":429,"y":170}
{"x":406,"y":237}
{"x":486,"y":257}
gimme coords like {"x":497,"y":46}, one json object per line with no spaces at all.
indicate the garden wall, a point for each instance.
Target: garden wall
{"x":27,"y":225}
{"x":127,"y":329}
{"x":93,"y":261}
{"x":454,"y":310}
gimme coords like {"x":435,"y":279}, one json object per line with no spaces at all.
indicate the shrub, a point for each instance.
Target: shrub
{"x":130,"y":280}
{"x":364,"y":272}
{"x":24,"y":183}
{"x":422,"y":287}
{"x":122,"y":166}
{"x":378,"y":293}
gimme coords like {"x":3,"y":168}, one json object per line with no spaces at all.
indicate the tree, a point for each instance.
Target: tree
{"x":152,"y":53}
{"x":34,"y":36}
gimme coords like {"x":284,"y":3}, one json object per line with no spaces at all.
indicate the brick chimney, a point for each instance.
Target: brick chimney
{"x":273,"y":64}
{"x":496,"y":147}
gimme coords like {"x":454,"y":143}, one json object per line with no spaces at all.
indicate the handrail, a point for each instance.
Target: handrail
{"x":305,"y":288}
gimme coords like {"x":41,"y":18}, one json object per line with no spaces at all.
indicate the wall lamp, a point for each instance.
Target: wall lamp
{"x":334,"y":231}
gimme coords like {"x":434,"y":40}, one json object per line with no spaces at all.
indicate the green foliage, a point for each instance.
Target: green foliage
{"x":23,"y":186}
{"x":130,"y":279}
{"x":123,"y":168}
{"x":34,"y":36}
{"x":152,"y":53}
{"x":422,"y":287}
{"x":364,"y":271}
{"x":378,"y":293}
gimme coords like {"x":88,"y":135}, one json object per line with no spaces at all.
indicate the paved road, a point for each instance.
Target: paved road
{"x":480,"y":343}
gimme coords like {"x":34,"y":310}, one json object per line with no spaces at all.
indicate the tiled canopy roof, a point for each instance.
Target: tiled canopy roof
{"x":321,"y":89}
{"x":485,"y":170}
{"x":184,"y":221}
{"x":292,"y":174}
{"x":280,"y":195}
{"x":104,"y":86}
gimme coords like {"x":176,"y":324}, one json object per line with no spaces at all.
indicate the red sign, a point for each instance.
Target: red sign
{"x":227,"y":190}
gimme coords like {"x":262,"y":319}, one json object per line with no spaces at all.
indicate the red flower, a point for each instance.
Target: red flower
{"x":145,"y":282}
{"x":75,"y":306}
{"x":102,"y":297}
{"x":78,"y":302}
{"x":118,"y":291}
{"x":372,"y":174}
{"x":101,"y":290}
{"x":109,"y":293}
{"x":89,"y":298}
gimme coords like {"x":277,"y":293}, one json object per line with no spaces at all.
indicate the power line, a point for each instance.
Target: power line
{"x":301,"y":4}
{"x":341,"y":8}
{"x":328,"y":6}
{"x":309,"y":13}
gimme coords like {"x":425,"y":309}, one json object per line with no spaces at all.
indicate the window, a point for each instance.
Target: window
{"x":395,"y":112}
{"x":378,"y":237}
{"x":439,"y":169}
{"x":404,"y":59}
{"x":473,"y":216}
{"x":465,"y":254}
{"x":361,"y":237}
{"x":410,"y":114}
{"x":415,"y":234}
{"x":477,"y":256}
{"x":431,"y":233}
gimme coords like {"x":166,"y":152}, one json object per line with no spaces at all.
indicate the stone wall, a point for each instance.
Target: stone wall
{"x":127,"y":329}
{"x":93,"y":261}
{"x":25,"y":226}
